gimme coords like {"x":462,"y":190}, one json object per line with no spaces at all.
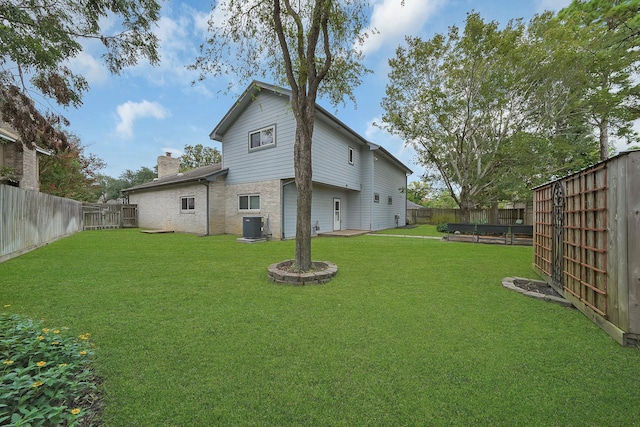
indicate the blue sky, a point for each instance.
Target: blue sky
{"x":130,"y":119}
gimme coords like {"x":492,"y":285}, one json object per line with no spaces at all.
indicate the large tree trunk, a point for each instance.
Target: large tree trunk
{"x":604,"y":139}
{"x":304,"y":186}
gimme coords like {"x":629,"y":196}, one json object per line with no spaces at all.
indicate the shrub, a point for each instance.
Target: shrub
{"x":442,"y":228}
{"x":47,"y":378}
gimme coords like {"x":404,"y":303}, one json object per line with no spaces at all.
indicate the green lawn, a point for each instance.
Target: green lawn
{"x":419,"y":230}
{"x":189,"y":332}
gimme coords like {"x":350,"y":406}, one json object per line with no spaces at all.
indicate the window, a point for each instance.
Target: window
{"x":390,"y":200}
{"x":376,"y":198}
{"x":188,"y":204}
{"x":249,"y":202}
{"x":265,"y":137}
{"x":350,"y":155}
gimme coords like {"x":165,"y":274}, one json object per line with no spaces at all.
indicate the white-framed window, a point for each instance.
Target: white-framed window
{"x":376,"y":198}
{"x":390,"y":200}
{"x":187,"y":204}
{"x":262,"y":138}
{"x":249,"y":202}
{"x":350,"y":156}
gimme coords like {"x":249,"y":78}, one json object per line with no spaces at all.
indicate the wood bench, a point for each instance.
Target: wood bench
{"x":477,"y":231}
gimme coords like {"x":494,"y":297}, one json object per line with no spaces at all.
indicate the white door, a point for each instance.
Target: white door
{"x":336,"y":214}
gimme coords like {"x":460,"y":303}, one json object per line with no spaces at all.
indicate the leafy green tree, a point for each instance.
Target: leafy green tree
{"x":417,"y":191}
{"x":605,"y":47}
{"x":311,"y":46}
{"x":39,"y":37}
{"x":70,"y":172}
{"x":195,"y":156}
{"x":137,"y":177}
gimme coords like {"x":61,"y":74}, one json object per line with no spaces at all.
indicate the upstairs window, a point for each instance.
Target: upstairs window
{"x":188,"y":204}
{"x":350,"y":156}
{"x":390,"y":200}
{"x":376,"y":198}
{"x":262,"y":138}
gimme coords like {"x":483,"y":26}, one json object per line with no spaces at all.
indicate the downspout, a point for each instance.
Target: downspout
{"x":284,"y":184}
{"x":206,"y":184}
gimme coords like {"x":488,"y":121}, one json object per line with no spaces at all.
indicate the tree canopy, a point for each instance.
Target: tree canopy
{"x":310,"y":46}
{"x":604,"y":45}
{"x":195,"y":156}
{"x":487,"y":108}
{"x":37,"y":40}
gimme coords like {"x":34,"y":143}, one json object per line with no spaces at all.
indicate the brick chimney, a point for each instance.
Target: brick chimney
{"x":167,"y":165}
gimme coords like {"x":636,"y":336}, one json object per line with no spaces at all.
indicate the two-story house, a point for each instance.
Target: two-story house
{"x":356,"y":184}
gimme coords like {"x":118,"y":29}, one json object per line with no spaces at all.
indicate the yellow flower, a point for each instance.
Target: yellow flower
{"x":46,"y":330}
{"x":37,"y":384}
{"x":40,"y":337}
{"x":83,"y":352}
{"x":55,"y":343}
{"x":75,"y":411}
{"x":84,"y":336}
{"x":8,"y":362}
{"x":57,"y":331}
{"x":41,"y":363}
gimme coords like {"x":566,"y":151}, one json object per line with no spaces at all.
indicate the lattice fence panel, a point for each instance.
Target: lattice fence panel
{"x":585,"y":244}
{"x":543,"y":224}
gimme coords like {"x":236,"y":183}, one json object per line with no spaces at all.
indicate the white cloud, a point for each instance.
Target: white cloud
{"x":130,"y":111}
{"x":90,"y":68}
{"x":393,"y":21}
{"x":552,"y":5}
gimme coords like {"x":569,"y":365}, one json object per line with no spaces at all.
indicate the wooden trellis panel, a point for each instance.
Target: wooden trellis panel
{"x":585,"y":241}
{"x":543,"y":227}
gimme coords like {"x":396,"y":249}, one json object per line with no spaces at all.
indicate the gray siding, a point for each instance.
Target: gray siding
{"x":388,"y":182}
{"x":366,"y":201}
{"x":331,"y":157}
{"x":321,"y":209}
{"x":266,"y":163}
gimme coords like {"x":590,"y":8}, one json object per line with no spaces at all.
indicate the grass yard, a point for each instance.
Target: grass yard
{"x":189,"y":332}
{"x":419,"y":230}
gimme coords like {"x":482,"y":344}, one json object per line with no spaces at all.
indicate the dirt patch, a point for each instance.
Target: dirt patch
{"x":535,"y":289}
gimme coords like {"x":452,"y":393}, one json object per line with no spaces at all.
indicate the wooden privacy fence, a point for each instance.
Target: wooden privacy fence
{"x":476,"y":216}
{"x":587,"y":242}
{"x":99,"y":216}
{"x":29,"y":219}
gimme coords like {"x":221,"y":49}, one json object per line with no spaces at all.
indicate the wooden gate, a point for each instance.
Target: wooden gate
{"x":99,"y":216}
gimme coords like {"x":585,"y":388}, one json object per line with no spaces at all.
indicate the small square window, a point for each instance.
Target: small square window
{"x":376,"y":198}
{"x":188,"y":204}
{"x":350,"y":156}
{"x":262,"y":138}
{"x":390,"y":200}
{"x":249,"y":202}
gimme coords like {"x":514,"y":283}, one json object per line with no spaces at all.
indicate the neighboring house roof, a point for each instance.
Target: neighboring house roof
{"x":204,"y":173}
{"x":411,"y":205}
{"x":250,"y":94}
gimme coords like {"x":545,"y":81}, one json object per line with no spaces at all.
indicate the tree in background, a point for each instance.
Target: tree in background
{"x":417,"y":192}
{"x":605,"y":47}
{"x":195,"y":156}
{"x":39,"y":37}
{"x":312,"y":46}
{"x":70,"y":172}
{"x":111,"y":188}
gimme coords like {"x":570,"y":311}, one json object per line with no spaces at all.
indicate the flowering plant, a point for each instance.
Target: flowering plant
{"x":45,"y":374}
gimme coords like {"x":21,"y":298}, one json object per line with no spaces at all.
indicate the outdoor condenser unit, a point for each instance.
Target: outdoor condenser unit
{"x":252,"y":227}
